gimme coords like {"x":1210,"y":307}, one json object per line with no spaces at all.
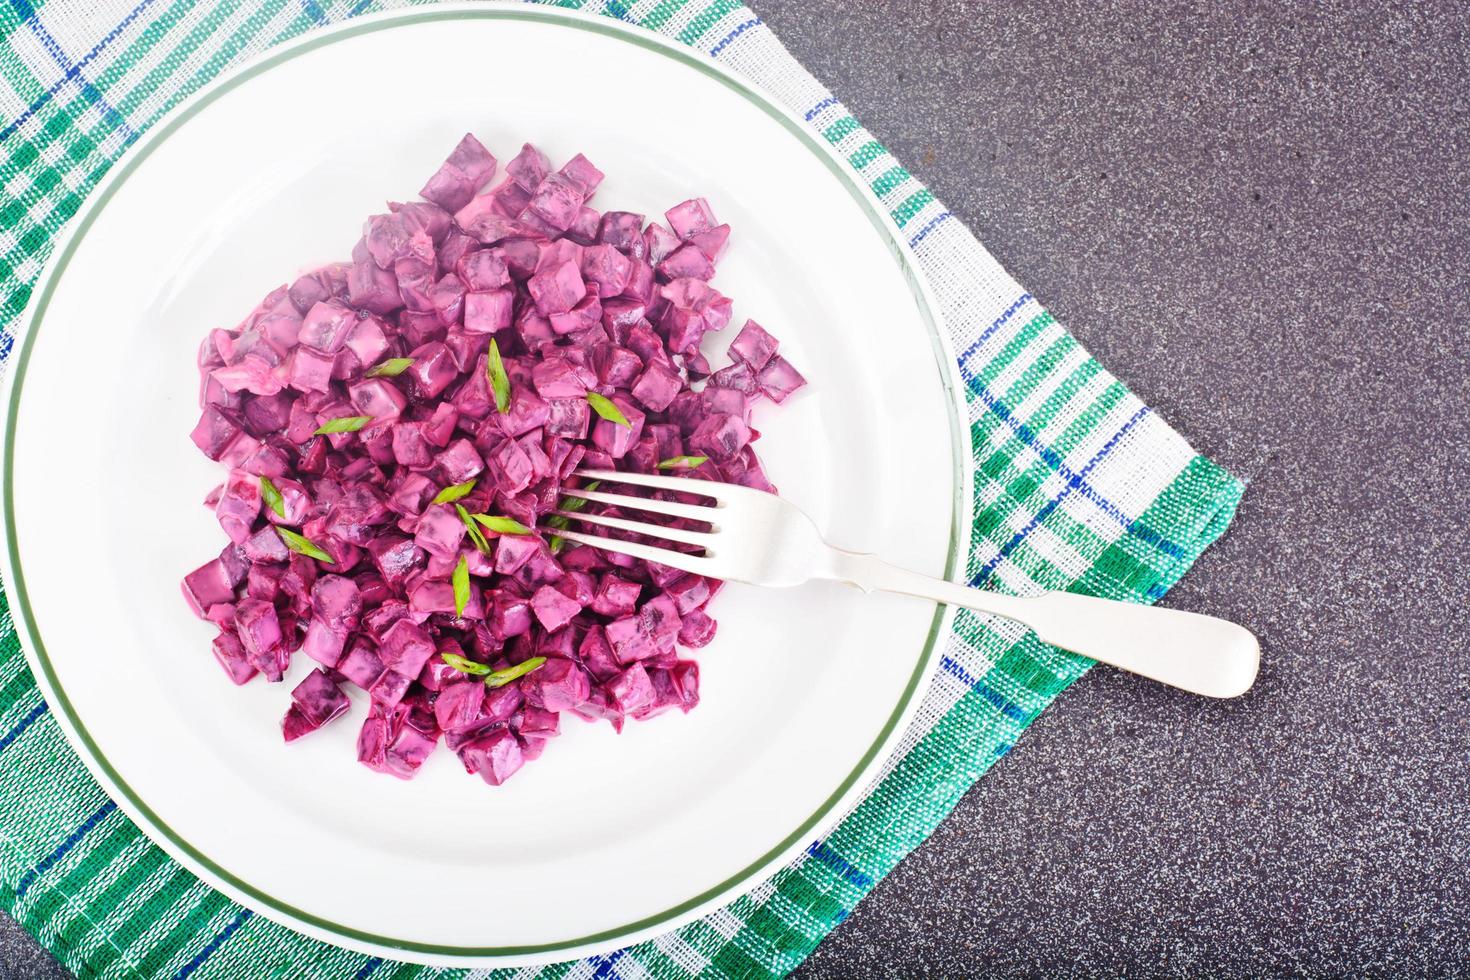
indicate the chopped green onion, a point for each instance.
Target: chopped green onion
{"x":463,"y":665}
{"x":556,"y":542}
{"x":603,"y":406}
{"x":499,"y":380}
{"x":303,"y":545}
{"x":450,"y":494}
{"x":500,"y":678}
{"x":349,"y":424}
{"x":577,"y":503}
{"x":461,"y":579}
{"x":683,"y":462}
{"x":501,"y":525}
{"x":391,"y":368}
{"x":476,"y":535}
{"x":272,"y":496}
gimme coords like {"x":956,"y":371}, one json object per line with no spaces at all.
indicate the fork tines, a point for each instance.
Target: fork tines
{"x":668,"y":554}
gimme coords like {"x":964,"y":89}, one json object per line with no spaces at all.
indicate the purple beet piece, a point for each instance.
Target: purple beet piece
{"x":495,"y":756}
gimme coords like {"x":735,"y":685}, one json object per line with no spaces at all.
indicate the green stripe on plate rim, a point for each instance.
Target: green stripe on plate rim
{"x":269,"y":60}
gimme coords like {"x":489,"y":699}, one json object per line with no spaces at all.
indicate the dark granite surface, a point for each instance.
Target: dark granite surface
{"x":1257,"y":217}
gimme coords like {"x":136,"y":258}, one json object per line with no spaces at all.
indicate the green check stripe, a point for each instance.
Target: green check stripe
{"x":1040,"y":412}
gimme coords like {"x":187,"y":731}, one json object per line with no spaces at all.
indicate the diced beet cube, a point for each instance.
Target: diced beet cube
{"x":712,"y":241}
{"x":686,"y":261}
{"x":396,"y":556}
{"x":208,"y":585}
{"x":556,"y":201}
{"x":584,"y":316}
{"x":259,"y":630}
{"x":390,"y":688}
{"x":753,"y":345}
{"x":336,"y":602}
{"x":440,"y":532}
{"x":378,"y":399}
{"x":513,"y":467}
{"x":581,"y":170}
{"x":696,"y":628}
{"x":361,"y":665}
{"x":323,"y":644}
{"x":657,"y":386}
{"x":607,"y":267}
{"x":495,"y":756}
{"x":631,"y":690}
{"x":483,"y":270}
{"x":617,"y":367}
{"x":557,"y":685}
{"x":778,"y":379}
{"x":319,"y":699}
{"x":295,"y":724}
{"x":326,"y":326}
{"x":720,"y":437}
{"x":614,"y":438}
{"x":489,"y":311}
{"x":432,"y":370}
{"x":438,"y":597}
{"x":408,"y":752}
{"x":239,"y":505}
{"x":689,"y":592}
{"x":690,"y":217}
{"x":439,"y":427}
{"x":510,"y":615}
{"x":514,"y":550}
{"x":529,"y":167}
{"x":231,"y":656}
{"x":367,"y":341}
{"x":461,"y":705}
{"x":215,"y":432}
{"x":459,"y":462}
{"x":469,"y":167}
{"x":623,"y":230}
{"x":557,"y":289}
{"x":405,"y":647}
{"x":410,"y":446}
{"x":616,"y":596}
{"x":568,"y":417}
{"x":553,"y":609}
{"x":557,"y":377}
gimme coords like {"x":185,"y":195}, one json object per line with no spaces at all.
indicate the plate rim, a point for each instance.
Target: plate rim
{"x":319,"y":927}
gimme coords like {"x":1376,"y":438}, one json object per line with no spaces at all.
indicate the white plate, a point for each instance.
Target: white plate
{"x":607,"y":839}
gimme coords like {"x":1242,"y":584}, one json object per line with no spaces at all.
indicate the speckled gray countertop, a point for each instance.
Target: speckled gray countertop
{"x":1259,"y":218}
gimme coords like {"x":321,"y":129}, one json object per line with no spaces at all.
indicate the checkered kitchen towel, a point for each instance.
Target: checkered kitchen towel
{"x":1078,"y":486}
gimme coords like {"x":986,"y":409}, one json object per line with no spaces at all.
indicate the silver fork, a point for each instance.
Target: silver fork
{"x":760,"y":539}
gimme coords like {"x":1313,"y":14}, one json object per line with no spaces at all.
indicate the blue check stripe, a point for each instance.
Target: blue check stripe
{"x":74,"y":72}
{"x":214,"y":944}
{"x":929,"y":226}
{"x":816,"y":110}
{"x":1047,"y":454}
{"x":839,"y":864}
{"x":728,"y":38}
{"x":1041,"y":515}
{"x":27,"y":14}
{"x":314,"y":11}
{"x":22,"y":725}
{"x":605,"y":964}
{"x":29,"y":878}
{"x":995,"y":325}
{"x":997,"y":700}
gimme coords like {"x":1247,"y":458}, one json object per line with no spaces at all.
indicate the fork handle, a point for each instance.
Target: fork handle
{"x":1191,"y":651}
